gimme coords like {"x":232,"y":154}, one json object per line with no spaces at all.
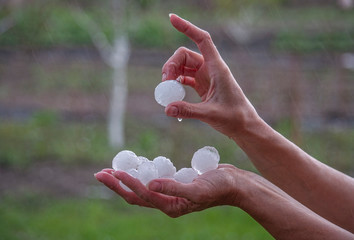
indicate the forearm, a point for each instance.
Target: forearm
{"x":321,"y":188}
{"x":282,"y":216}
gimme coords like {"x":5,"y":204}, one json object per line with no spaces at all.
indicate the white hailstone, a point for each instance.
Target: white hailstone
{"x":125,"y":160}
{"x":132,"y":172}
{"x":169,"y":91}
{"x":147,"y":171}
{"x":205,"y":159}
{"x":143,"y":159}
{"x":185,"y":175}
{"x":164,"y":167}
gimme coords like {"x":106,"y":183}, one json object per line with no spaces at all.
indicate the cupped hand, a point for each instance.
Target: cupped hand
{"x":224,"y":106}
{"x":213,"y":188}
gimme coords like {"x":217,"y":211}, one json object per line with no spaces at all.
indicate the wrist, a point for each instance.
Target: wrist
{"x":252,"y":124}
{"x":242,"y":187}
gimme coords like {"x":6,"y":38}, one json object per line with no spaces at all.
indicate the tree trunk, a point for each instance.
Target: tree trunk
{"x":119,"y":62}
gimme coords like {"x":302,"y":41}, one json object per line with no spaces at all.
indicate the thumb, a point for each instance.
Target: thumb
{"x":172,"y":188}
{"x":186,"y":110}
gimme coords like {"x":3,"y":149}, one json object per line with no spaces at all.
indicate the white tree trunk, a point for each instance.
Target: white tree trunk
{"x":116,"y":57}
{"x":119,"y":62}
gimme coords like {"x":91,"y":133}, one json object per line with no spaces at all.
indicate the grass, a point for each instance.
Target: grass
{"x":41,"y":218}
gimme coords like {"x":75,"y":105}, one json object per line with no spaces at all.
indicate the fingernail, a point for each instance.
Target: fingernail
{"x":94,"y":174}
{"x":170,"y":15}
{"x":172,"y":111}
{"x":155,"y":186}
{"x":164,"y":75}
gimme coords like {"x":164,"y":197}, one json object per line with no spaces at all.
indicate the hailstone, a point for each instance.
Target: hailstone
{"x":185,"y":175}
{"x":164,"y":167}
{"x":205,"y":159}
{"x":169,"y":91}
{"x":147,"y":171}
{"x":125,"y":160}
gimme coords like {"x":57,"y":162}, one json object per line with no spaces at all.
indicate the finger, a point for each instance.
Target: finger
{"x":173,"y":188}
{"x":182,"y":62}
{"x":107,"y":170}
{"x":160,"y":201}
{"x":170,"y":205}
{"x":225,"y":165}
{"x":183,"y":109}
{"x":200,"y":37}
{"x":113,"y":183}
{"x":189,"y":81}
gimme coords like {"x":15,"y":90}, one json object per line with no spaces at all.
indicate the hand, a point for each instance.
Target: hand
{"x":213,"y":188}
{"x":224,"y":106}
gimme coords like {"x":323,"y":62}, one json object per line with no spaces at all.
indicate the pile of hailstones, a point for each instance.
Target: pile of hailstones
{"x":204,"y":160}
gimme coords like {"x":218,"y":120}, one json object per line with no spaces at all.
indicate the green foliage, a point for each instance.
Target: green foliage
{"x":61,"y":28}
{"x":155,"y":31}
{"x":54,"y":24}
{"x":44,"y":25}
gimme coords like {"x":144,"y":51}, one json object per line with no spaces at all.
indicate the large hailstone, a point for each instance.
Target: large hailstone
{"x":147,"y":171}
{"x":164,"y":167}
{"x":185,"y":175}
{"x":205,"y":159}
{"x":169,"y":91}
{"x":143,"y":159}
{"x":125,"y":160}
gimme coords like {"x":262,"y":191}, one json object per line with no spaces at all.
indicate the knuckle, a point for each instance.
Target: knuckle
{"x":205,"y":37}
{"x":186,"y":111}
{"x":181,"y":50}
{"x":167,"y":189}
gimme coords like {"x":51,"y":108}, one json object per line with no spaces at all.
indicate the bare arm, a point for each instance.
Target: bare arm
{"x":225,"y":107}
{"x":321,"y":188}
{"x":277,"y":212}
{"x":284,"y":217}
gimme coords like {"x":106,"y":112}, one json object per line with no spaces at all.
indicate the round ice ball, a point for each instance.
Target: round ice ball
{"x":185,"y":175}
{"x":125,"y":160}
{"x":205,"y":159}
{"x":132,"y":172}
{"x":147,"y":171}
{"x":169,"y":91}
{"x":164,"y":167}
{"x":143,"y":159}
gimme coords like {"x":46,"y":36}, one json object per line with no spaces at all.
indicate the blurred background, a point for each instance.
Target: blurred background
{"x":76,"y":87}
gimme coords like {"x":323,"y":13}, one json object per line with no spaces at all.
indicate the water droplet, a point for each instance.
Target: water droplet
{"x":179,"y":119}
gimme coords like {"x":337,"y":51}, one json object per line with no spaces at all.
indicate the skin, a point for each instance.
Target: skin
{"x":298,"y":198}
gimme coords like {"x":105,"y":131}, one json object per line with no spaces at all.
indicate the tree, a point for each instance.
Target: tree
{"x":115,"y":55}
